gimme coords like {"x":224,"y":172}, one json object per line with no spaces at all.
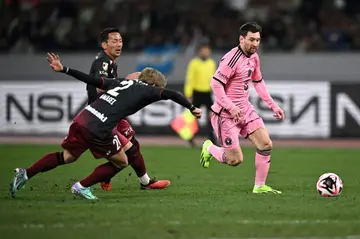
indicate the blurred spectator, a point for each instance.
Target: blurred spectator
{"x":73,"y":25}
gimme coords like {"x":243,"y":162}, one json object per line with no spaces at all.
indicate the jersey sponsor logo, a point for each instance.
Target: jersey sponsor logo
{"x":103,"y":73}
{"x":219,"y":73}
{"x":99,"y":115}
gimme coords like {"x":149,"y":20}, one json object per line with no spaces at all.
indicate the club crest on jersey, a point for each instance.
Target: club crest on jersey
{"x":105,"y":66}
{"x":228,"y":141}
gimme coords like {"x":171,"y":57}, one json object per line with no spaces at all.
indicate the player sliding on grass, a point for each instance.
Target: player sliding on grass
{"x":94,"y":127}
{"x":233,"y":114}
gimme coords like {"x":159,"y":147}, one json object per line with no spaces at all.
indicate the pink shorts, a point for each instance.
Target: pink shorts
{"x":228,"y":131}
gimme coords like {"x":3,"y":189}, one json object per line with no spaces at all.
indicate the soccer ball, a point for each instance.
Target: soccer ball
{"x":329,"y":185}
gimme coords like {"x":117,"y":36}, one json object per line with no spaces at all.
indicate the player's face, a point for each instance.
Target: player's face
{"x":114,"y":44}
{"x":251,"y":42}
{"x":205,"y":52}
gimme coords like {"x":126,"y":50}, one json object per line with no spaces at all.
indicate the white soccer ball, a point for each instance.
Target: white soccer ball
{"x":329,"y":185}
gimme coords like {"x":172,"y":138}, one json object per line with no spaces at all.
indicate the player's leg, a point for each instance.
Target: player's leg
{"x":259,"y":136}
{"x":127,"y":145}
{"x":138,"y":164}
{"x":73,"y":148}
{"x":197,"y":102}
{"x":103,"y":172}
{"x":208,"y":103}
{"x":112,"y":150}
{"x":136,"y":159}
{"x":230,"y":153}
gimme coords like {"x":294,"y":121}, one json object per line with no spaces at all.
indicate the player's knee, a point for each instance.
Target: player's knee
{"x":67,"y":157}
{"x":266,"y":145}
{"x":120,"y":164}
{"x":119,"y":160}
{"x":265,"y":148}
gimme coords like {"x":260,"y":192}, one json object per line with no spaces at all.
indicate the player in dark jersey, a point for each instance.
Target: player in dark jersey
{"x":104,"y":65}
{"x":93,"y":127}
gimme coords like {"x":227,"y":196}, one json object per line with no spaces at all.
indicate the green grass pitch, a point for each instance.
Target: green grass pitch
{"x":200,"y":203}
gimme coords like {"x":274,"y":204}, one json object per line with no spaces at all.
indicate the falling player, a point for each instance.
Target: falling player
{"x":105,"y":66}
{"x":93,"y":127}
{"x":233,"y":114}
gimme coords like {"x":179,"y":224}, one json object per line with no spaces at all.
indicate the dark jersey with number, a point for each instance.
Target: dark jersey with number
{"x":120,"y":99}
{"x":102,"y":66}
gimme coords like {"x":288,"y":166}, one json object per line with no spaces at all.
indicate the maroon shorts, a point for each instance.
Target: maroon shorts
{"x":125,"y":128}
{"x":79,"y":139}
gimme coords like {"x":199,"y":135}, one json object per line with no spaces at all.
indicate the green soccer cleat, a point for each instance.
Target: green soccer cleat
{"x":205,"y":156}
{"x":18,"y":182}
{"x":265,"y":189}
{"x":83,"y":192}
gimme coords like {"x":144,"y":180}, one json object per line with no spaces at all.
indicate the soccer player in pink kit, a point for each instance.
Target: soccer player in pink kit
{"x":233,"y":114}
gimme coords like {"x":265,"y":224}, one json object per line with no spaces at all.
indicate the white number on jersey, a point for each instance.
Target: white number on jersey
{"x":124,"y":85}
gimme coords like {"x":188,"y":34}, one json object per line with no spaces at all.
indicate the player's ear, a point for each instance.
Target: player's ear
{"x":241,"y":38}
{"x":104,"y":45}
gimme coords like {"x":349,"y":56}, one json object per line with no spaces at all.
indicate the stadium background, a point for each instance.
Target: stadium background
{"x":310,"y":60}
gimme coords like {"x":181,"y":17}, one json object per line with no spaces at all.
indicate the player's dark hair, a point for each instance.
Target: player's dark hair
{"x":250,"y":27}
{"x":203,"y":45}
{"x":104,"y":35}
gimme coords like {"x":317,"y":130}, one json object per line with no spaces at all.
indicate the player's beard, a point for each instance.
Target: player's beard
{"x":251,"y":50}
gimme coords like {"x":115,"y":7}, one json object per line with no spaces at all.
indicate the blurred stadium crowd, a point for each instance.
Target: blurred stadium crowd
{"x":73,"y":25}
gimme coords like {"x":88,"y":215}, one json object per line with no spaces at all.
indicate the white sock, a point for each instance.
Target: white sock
{"x":81,"y":186}
{"x":258,"y":186}
{"x":144,"y":180}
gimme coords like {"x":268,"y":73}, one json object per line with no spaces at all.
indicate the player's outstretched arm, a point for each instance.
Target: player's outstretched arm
{"x":56,"y":65}
{"x":181,"y":100}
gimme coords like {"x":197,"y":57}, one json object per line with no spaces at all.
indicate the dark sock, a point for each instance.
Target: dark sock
{"x":102,"y":173}
{"x":46,"y":163}
{"x":136,"y":159}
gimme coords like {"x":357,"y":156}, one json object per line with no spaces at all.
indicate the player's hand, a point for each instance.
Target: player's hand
{"x":197,"y":113}
{"x":133,"y":76}
{"x":54,"y":62}
{"x":279,"y":113}
{"x":236,"y":114}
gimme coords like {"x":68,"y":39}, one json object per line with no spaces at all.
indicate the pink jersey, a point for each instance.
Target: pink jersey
{"x":234,"y":72}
